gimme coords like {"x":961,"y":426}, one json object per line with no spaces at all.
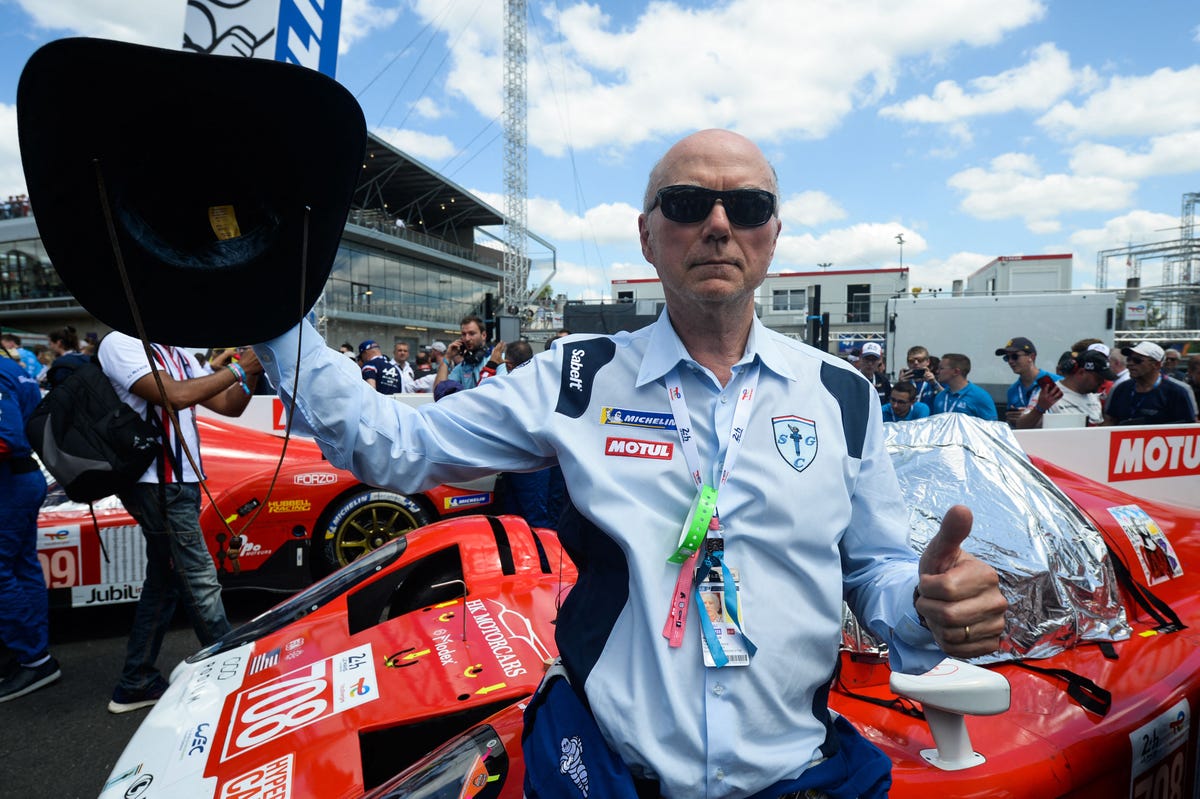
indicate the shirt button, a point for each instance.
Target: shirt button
{"x":718,"y":689}
{"x":724,"y":399}
{"x":719,"y":774}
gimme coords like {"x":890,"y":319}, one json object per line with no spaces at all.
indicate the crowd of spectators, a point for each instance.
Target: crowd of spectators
{"x":14,"y":207}
{"x":1142,"y":384}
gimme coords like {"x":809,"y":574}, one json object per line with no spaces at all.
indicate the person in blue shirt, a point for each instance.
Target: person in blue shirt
{"x":24,"y":608}
{"x":649,"y":427}
{"x":961,"y":395}
{"x":903,"y":406}
{"x":28,"y":361}
{"x":469,"y":355}
{"x":1021,"y":356}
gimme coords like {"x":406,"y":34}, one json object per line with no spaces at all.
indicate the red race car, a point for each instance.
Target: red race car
{"x":311,"y":519}
{"x":347,"y":689}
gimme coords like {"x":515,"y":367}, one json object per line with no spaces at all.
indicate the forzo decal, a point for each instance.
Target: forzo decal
{"x":315,"y":479}
{"x":796,"y":440}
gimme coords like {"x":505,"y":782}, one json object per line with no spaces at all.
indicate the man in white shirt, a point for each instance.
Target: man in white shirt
{"x":1076,"y":393}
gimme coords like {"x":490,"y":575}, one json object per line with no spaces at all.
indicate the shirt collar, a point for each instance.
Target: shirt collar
{"x":665,"y":351}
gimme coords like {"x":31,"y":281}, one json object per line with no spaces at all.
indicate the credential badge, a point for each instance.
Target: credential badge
{"x":796,"y":440}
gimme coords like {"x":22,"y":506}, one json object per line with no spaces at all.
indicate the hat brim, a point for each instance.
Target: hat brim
{"x":226,"y":180}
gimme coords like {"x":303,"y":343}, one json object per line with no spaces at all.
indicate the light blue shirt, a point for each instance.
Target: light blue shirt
{"x":812,"y":513}
{"x":918,"y":410}
{"x":1019,"y":396}
{"x":971,"y":400}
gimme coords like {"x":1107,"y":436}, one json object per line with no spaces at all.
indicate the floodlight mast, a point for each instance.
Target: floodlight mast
{"x":515,"y":286}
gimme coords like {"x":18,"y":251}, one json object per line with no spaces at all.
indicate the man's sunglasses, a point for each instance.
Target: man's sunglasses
{"x":1136,"y":360}
{"x":1011,"y":356}
{"x":689,"y":204}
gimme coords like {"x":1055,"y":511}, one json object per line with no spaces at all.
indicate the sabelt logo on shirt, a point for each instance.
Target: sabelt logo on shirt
{"x":636,"y":448}
{"x":1145,"y":454}
{"x":575,"y":374}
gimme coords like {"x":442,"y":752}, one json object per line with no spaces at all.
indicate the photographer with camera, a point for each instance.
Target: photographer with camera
{"x":921,"y":374}
{"x":472,"y":349}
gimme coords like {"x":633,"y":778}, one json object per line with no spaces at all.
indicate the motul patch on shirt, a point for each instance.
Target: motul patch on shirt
{"x":636,"y":448}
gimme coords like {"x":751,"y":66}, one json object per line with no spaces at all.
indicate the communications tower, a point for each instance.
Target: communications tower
{"x":516,"y":251}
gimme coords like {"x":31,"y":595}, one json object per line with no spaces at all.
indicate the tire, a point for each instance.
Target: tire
{"x":363,"y":522}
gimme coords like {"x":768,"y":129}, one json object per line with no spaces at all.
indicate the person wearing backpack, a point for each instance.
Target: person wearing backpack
{"x":165,"y":501}
{"x":24,"y":611}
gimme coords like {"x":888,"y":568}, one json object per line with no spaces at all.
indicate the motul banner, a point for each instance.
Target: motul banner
{"x":301,"y":32}
{"x":1137,"y":455}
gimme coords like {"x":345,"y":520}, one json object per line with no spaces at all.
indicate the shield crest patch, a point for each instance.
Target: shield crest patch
{"x":796,"y":440}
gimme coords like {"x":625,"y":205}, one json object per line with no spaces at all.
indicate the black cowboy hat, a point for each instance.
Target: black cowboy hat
{"x":208,"y":164}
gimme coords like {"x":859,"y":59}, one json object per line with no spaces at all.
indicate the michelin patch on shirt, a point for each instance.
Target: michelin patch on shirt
{"x":632,"y":418}
{"x":581,"y":361}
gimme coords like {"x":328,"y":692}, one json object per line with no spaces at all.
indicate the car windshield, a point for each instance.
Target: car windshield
{"x":307,"y":601}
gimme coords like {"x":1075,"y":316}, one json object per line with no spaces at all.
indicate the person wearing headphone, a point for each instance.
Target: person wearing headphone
{"x":472,"y":349}
{"x":1083,"y":373}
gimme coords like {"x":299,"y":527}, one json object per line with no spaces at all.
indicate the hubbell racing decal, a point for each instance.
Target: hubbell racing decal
{"x":289,"y":506}
{"x":271,"y":780}
{"x":1143,"y":454}
{"x":1158,"y":749}
{"x":467,"y":501}
{"x":1154,"y":550}
{"x":299,"y":698}
{"x":629,"y":418}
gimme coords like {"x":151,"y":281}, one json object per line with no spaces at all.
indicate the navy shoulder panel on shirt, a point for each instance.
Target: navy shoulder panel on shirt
{"x":590,"y":611}
{"x":852,"y":393}
{"x":582,"y":360}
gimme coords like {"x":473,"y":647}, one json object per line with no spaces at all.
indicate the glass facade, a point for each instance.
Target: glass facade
{"x":392,"y":285}
{"x":26,"y":273}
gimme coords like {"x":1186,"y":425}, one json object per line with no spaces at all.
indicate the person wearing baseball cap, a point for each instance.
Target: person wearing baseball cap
{"x":1148,"y":397}
{"x":378,"y":370}
{"x":1083,"y":374}
{"x":868,"y":361}
{"x":1021,"y":356}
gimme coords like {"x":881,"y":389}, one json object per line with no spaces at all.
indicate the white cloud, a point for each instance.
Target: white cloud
{"x":605,"y":224}
{"x":1135,"y":227}
{"x":1174,"y":154}
{"x":12,"y":176}
{"x":939,"y":274}
{"x":592,"y":85}
{"x":1014,"y":187}
{"x":427,"y":109}
{"x":360,"y":18}
{"x":423,"y":146}
{"x":155,"y":22}
{"x":1033,"y":86}
{"x":810,"y":208}
{"x":1160,"y":103}
{"x":864,"y":245}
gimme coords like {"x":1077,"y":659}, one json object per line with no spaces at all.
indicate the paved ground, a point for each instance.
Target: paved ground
{"x":61,"y":741}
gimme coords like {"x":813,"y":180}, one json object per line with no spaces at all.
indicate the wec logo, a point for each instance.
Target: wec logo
{"x":635,"y":448}
{"x":1145,"y":454}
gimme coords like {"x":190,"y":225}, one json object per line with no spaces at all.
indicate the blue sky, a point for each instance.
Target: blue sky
{"x":973,"y":128}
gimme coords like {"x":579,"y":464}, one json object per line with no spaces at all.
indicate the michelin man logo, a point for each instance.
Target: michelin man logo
{"x":571,"y":763}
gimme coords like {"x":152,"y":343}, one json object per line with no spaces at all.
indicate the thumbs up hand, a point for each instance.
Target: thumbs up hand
{"x":959,"y":597}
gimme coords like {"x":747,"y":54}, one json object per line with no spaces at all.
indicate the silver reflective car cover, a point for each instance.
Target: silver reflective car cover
{"x":1053,"y":564}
